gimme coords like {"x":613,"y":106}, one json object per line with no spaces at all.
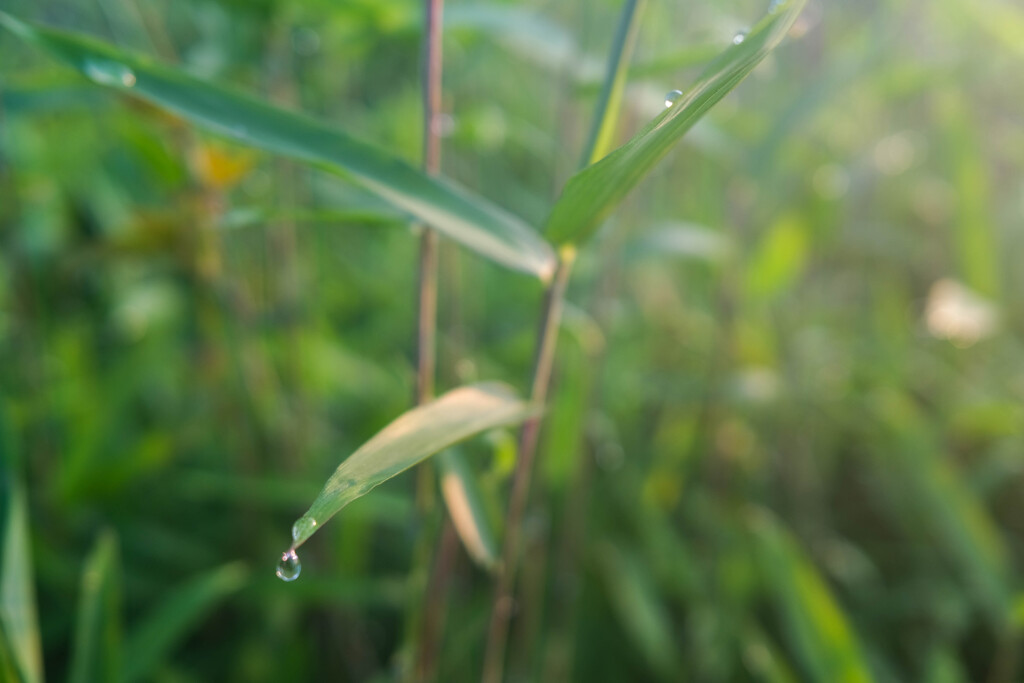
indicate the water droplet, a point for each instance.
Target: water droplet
{"x":107,"y":72}
{"x":289,"y":568}
{"x":739,"y":37}
{"x":671,"y":96}
{"x":303,"y":528}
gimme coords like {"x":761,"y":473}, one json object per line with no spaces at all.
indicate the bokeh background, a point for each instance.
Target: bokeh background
{"x":786,"y":435}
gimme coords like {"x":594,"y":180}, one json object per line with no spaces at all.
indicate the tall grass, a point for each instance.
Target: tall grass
{"x":769,"y":428}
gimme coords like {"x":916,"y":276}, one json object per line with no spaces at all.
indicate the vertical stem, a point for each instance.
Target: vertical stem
{"x":426,"y":635}
{"x":426,"y":348}
{"x":501,"y":609}
{"x":426,"y":328}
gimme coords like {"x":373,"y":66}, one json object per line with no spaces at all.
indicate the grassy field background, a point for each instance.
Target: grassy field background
{"x":786,"y":434}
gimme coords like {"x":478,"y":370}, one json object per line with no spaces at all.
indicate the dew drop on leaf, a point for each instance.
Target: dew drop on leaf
{"x":289,"y":568}
{"x":671,"y":97}
{"x":107,"y":72}
{"x":739,"y":37}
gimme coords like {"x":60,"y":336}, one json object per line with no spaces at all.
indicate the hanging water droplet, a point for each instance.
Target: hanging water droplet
{"x":289,"y":568}
{"x":303,"y":528}
{"x":671,"y":96}
{"x":107,"y":72}
{"x":739,"y":37}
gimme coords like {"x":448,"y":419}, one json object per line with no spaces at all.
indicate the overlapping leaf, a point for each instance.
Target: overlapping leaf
{"x":460,"y":215}
{"x":412,"y":437}
{"x":594,"y":192}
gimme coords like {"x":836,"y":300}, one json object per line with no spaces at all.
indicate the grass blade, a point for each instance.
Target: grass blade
{"x":456,"y":213}
{"x":643,"y":616}
{"x":151,"y":643}
{"x":97,"y":647}
{"x":919,"y":477}
{"x":464,"y":501}
{"x":19,"y":624}
{"x":414,"y":436}
{"x":594,"y":192}
{"x":815,"y":624}
{"x":606,"y":113}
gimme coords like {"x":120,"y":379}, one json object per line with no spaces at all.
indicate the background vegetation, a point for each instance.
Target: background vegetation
{"x":785,"y":440}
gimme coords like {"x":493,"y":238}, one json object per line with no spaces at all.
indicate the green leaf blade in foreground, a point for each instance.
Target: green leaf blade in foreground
{"x":606,"y":113}
{"x":410,"y":439}
{"x":594,"y":192}
{"x":466,"y":218}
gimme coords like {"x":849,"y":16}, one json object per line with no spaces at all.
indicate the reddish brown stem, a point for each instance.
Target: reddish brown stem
{"x":501,"y":609}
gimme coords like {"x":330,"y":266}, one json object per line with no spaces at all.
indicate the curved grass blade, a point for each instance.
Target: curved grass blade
{"x":19,"y":624}
{"x":466,"y":218}
{"x":594,"y":192}
{"x":97,"y":647}
{"x":815,"y":624}
{"x":464,"y":502}
{"x":151,"y":643}
{"x":413,"y":437}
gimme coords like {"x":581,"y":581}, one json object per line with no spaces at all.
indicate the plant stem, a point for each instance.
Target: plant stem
{"x":501,"y":609}
{"x":426,"y":347}
{"x":430,"y":624}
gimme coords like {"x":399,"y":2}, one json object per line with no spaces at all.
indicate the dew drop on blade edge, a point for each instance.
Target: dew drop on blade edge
{"x":289,"y":568}
{"x":739,"y":37}
{"x":671,"y":97}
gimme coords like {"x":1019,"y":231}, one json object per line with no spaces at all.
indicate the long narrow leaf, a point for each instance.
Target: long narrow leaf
{"x":815,"y":624}
{"x":97,"y":646}
{"x":643,"y":616}
{"x":416,"y":435}
{"x":606,"y":113}
{"x":460,"y":215}
{"x":158,"y":635}
{"x":19,"y":625}
{"x":594,"y":192}
{"x":464,"y":501}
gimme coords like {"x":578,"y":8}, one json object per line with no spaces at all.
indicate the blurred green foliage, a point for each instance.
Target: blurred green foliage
{"x":785,"y":441}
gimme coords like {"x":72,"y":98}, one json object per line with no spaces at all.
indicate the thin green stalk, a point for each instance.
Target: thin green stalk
{"x":501,"y":609}
{"x":600,"y":141}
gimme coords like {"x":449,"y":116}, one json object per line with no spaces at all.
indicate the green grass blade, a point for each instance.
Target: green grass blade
{"x":453,"y":211}
{"x":464,"y":502}
{"x":151,"y":642}
{"x":19,"y":624}
{"x":816,"y":627}
{"x":97,"y":647}
{"x":642,"y":614}
{"x":606,"y":113}
{"x":414,"y":436}
{"x":922,"y":479}
{"x":594,"y":192}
